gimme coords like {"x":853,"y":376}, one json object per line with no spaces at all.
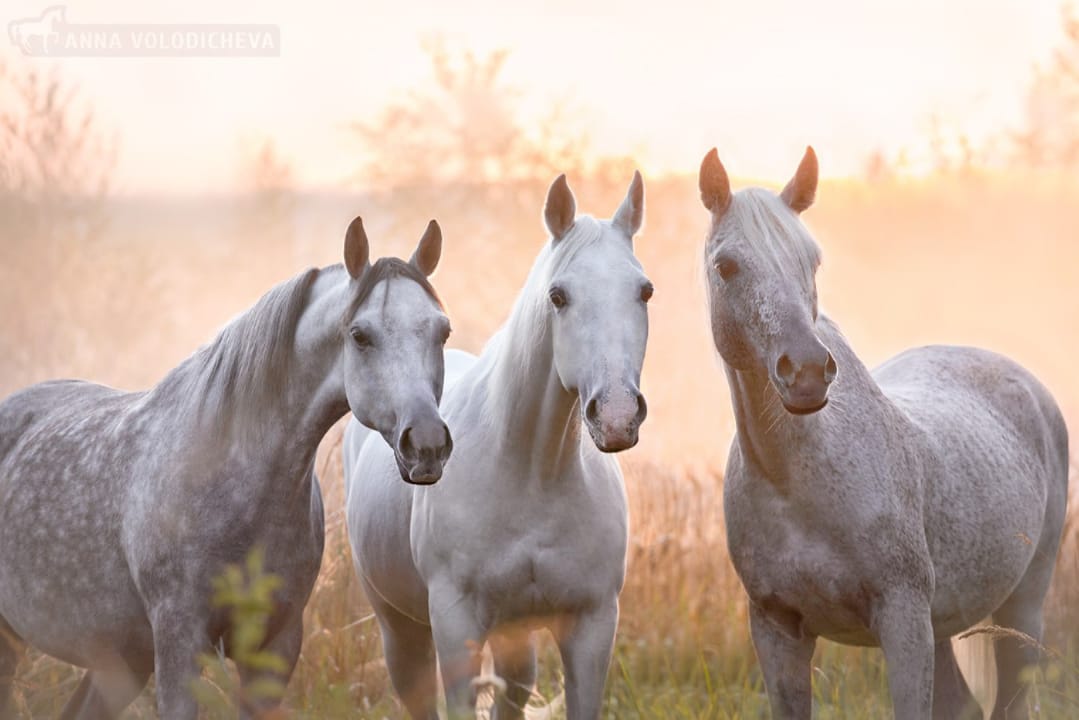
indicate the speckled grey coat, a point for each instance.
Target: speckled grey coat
{"x":118,"y":509}
{"x":894,"y":508}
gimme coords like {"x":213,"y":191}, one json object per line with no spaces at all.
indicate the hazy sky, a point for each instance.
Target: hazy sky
{"x":666,"y":80}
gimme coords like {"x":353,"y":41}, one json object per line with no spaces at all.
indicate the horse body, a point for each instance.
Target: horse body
{"x":894,"y":508}
{"x":848,"y":531}
{"x":528,"y":529}
{"x":117,"y":510}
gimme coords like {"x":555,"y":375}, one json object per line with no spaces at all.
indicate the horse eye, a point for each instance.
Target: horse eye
{"x":558,"y":297}
{"x":361,"y":338}
{"x":647,"y":290}
{"x":727,"y":268}
{"x":446,"y":334}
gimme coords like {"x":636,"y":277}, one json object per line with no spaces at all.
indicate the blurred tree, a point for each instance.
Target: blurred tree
{"x":55,"y":170}
{"x":265,"y":215}
{"x":1050,"y":133}
{"x":463,"y":140}
{"x":55,"y":162}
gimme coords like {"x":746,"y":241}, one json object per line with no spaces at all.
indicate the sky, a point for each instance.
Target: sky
{"x":663,"y":81}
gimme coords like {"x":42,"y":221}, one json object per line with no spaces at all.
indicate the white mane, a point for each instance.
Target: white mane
{"x":765,"y":223}
{"x":510,"y":354}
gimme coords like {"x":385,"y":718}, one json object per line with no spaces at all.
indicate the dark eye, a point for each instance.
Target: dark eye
{"x":445,"y":334}
{"x":362,"y":339}
{"x":558,"y":297}
{"x":647,"y":290}
{"x":727,"y":267}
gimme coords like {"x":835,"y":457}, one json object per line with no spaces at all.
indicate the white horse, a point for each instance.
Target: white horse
{"x":894,"y":508}
{"x":527,"y":529}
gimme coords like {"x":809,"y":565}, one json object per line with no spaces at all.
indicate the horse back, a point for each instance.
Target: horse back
{"x":57,"y":411}
{"x":977,"y":397}
{"x":996,"y":470}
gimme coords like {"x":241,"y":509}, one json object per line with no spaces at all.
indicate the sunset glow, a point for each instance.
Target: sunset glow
{"x":660,"y":82}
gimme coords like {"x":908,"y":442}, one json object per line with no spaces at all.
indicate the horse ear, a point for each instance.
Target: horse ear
{"x":357,"y":249}
{"x":560,"y":209}
{"x":630,"y":213}
{"x":802,"y":189}
{"x":714,"y":184}
{"x":429,"y":250}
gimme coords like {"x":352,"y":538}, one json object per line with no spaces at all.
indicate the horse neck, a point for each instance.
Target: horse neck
{"x":533,"y":415}
{"x":282,"y":409}
{"x":316,"y":388}
{"x":777,"y":443}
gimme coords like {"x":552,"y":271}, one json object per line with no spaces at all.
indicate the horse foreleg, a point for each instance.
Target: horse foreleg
{"x":905,"y":631}
{"x":458,"y":642}
{"x":586,"y":643}
{"x":178,"y":640}
{"x":410,"y":656}
{"x":285,"y":645}
{"x":952,"y":698}
{"x":784,"y":653}
{"x":515,"y":663}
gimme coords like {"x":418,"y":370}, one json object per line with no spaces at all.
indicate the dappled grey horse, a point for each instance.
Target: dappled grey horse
{"x":118,"y":509}
{"x":894,"y":508}
{"x":528,"y":527}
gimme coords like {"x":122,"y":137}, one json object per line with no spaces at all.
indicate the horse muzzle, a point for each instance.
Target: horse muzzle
{"x":803,"y":379}
{"x":422,"y":450}
{"x":614,"y":425}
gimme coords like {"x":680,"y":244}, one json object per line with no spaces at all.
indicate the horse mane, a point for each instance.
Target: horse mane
{"x":236,"y":380}
{"x":240,"y":372}
{"x":528,"y":326}
{"x":768,"y":225}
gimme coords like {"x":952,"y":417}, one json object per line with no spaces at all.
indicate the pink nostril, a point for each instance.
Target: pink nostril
{"x":591,"y":412}
{"x":830,"y":369}
{"x":642,"y":409}
{"x":785,"y":370}
{"x":404,"y":445}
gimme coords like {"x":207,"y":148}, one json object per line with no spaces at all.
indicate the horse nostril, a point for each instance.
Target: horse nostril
{"x":591,"y":412}
{"x":404,"y":445}
{"x":642,"y":409}
{"x":785,"y":370}
{"x":830,"y":369}
{"x":447,"y":447}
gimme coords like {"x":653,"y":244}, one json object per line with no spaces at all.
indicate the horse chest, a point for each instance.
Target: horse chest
{"x":536,"y":577}
{"x":807,"y":577}
{"x":553,"y":563}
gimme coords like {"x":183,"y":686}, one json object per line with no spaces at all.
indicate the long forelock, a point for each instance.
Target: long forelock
{"x":386,"y":269}
{"x":771,"y":229}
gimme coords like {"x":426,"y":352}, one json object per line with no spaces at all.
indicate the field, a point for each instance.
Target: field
{"x":975,"y":259}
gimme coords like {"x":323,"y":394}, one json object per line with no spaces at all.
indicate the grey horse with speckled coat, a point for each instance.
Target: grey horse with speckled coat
{"x":118,"y":509}
{"x":894,"y":508}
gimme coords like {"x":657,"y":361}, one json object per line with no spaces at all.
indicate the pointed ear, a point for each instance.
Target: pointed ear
{"x":429,"y":250}
{"x":630,"y":213}
{"x":357,"y":250}
{"x":715,"y":187}
{"x":802,"y":188}
{"x":560,"y":209}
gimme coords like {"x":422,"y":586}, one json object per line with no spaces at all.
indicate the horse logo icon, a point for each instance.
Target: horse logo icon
{"x":38,"y":36}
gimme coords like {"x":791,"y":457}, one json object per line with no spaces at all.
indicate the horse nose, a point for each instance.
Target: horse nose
{"x":830,"y":369}
{"x":591,"y":410}
{"x":790,"y":372}
{"x":425,"y":447}
{"x":642,"y":410}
